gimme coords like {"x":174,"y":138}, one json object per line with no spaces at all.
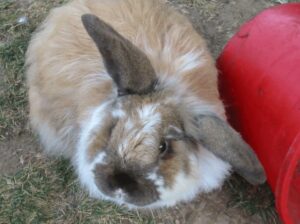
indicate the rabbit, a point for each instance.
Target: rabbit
{"x":127,"y":90}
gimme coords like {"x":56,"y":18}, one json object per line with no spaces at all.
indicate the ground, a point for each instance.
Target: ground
{"x":37,"y":189}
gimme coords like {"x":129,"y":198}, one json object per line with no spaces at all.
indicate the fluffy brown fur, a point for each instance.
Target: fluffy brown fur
{"x":64,"y":48}
{"x":128,"y":90}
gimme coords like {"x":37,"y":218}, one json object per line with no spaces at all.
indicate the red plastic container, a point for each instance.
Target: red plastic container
{"x":260,"y":85}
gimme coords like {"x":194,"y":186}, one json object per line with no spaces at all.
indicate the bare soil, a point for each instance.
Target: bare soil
{"x":208,"y":209}
{"x":17,"y":153}
{"x":217,"y":20}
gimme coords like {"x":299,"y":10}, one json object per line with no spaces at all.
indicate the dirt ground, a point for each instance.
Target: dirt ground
{"x":217,"y":20}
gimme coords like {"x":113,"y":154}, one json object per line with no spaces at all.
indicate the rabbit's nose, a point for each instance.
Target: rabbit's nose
{"x":123,"y":181}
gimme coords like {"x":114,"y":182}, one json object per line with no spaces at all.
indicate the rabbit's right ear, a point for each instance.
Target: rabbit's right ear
{"x":129,"y":67}
{"x":222,"y":140}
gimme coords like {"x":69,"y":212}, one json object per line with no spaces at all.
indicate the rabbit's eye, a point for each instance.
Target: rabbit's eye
{"x":163,"y":146}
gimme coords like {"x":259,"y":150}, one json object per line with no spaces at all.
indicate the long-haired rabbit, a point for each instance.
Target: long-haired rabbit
{"x":128,"y":91}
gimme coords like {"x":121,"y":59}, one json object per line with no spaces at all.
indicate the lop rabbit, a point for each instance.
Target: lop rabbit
{"x":127,"y":89}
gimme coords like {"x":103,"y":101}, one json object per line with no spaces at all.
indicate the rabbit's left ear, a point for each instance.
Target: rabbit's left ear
{"x":128,"y":66}
{"x":222,"y":140}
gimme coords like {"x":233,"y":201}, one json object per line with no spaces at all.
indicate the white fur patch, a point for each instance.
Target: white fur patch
{"x":118,"y":113}
{"x":207,"y":173}
{"x":100,"y":159}
{"x":128,"y":125}
{"x":87,"y":177}
{"x":149,"y":117}
{"x":146,"y":111}
{"x":212,"y":170}
{"x":120,"y":195}
{"x":157,"y":180}
{"x":81,"y":162}
{"x":189,"y":61}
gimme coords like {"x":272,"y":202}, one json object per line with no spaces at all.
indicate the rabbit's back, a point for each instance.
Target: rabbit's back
{"x":66,"y":75}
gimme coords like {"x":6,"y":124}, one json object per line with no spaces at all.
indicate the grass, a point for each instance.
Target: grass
{"x":13,"y":93}
{"x":46,"y":191}
{"x":49,"y":193}
{"x":253,"y":200}
{"x":14,"y":38}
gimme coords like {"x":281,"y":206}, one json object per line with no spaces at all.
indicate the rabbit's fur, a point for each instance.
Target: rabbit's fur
{"x":128,"y":91}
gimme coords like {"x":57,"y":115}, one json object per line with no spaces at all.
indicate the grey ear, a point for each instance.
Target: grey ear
{"x":129,"y":67}
{"x":222,"y":140}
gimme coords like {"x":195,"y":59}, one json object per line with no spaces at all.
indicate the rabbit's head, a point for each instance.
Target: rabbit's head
{"x":154,"y":144}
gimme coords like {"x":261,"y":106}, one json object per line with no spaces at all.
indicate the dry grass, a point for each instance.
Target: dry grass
{"x":47,"y":192}
{"x":252,"y":200}
{"x":14,"y":39}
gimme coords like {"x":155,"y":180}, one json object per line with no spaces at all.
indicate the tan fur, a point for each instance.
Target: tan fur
{"x":121,"y":87}
{"x":170,"y":167}
{"x":64,"y":64}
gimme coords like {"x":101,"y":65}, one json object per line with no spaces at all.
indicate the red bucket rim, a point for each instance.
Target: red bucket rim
{"x":285,"y":178}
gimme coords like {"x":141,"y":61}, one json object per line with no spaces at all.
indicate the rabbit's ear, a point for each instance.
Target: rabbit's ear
{"x":129,"y":67}
{"x":222,"y":140}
